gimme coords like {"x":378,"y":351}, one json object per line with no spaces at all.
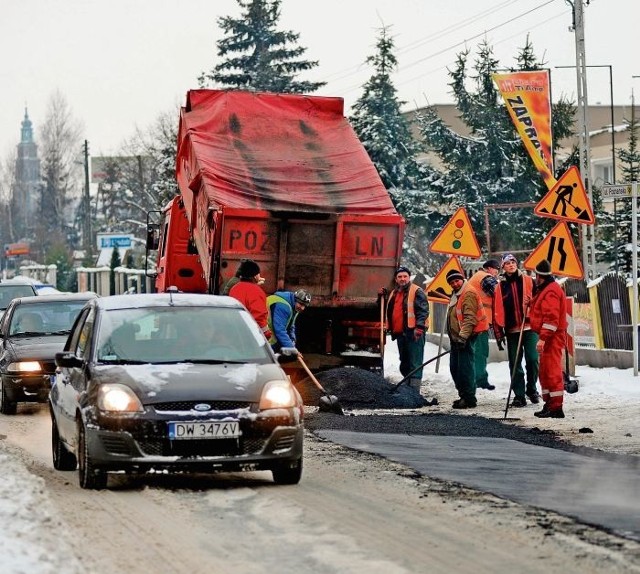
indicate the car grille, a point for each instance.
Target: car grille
{"x":220,"y":447}
{"x":189,"y":405}
{"x":115,"y":444}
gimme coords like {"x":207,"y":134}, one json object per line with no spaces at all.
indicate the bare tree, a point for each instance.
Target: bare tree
{"x":60,"y":147}
{"x":7,"y":183}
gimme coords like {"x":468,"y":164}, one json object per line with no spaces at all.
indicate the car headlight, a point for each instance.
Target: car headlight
{"x":25,"y":367}
{"x":277,"y":395}
{"x":119,"y":399}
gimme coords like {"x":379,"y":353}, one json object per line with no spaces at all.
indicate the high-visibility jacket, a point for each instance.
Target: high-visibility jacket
{"x":467,"y":317}
{"x":475,"y":281}
{"x":549,"y":311}
{"x":282,"y":319}
{"x":415,"y":309}
{"x":517,"y":296}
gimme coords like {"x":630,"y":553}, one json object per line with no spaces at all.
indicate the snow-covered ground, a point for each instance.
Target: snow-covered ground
{"x":607,"y":403}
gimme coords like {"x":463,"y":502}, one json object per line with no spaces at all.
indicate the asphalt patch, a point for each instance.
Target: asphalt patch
{"x":359,"y":389}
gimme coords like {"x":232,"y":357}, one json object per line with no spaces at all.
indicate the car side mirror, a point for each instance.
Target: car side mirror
{"x":68,"y":360}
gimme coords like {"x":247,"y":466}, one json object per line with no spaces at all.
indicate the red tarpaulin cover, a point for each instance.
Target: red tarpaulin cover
{"x":280,"y":152}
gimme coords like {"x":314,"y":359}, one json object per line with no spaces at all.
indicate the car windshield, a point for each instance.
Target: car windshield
{"x":10,"y":292}
{"x":180,"y":334}
{"x":45,"y":318}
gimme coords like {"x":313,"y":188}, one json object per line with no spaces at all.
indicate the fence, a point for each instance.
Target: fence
{"x":98,"y":280}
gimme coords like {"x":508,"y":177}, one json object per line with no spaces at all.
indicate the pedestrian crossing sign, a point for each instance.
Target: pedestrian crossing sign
{"x":457,"y":237}
{"x":567,"y":200}
{"x":558,"y":249}
{"x":439,"y":290}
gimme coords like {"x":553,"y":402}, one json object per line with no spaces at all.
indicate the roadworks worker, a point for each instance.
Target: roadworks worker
{"x":248,"y":291}
{"x":465,"y":320}
{"x":484,"y":281}
{"x":407,"y":320}
{"x":284,"y":308}
{"x":511,"y":316}
{"x":549,"y":320}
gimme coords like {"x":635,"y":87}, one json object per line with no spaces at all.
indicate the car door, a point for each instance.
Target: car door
{"x":71,"y":381}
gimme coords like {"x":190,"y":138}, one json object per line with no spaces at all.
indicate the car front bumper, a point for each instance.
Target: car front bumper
{"x":26,"y":388}
{"x":143,"y":444}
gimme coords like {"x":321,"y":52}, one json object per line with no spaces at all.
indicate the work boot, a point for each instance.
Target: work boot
{"x":462,"y":404}
{"x":488,"y":387}
{"x":519,"y":402}
{"x":534,"y":397}
{"x":550,"y":414}
{"x":415,"y":384}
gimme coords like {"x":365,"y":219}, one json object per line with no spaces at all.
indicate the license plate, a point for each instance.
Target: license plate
{"x":203,"y":430}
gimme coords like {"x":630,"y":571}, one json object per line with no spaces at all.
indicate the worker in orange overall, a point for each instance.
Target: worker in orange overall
{"x":549,"y":319}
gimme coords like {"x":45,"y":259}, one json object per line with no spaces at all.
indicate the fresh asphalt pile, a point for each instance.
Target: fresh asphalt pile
{"x":360,"y":389}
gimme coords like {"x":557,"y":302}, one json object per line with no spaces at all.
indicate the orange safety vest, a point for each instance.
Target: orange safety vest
{"x":409,"y":307}
{"x":527,"y":289}
{"x":487,"y":300}
{"x":482,"y":324}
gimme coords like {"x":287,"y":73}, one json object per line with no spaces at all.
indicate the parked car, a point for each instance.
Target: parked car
{"x":32,"y":331}
{"x":172,"y":382}
{"x":9,"y":290}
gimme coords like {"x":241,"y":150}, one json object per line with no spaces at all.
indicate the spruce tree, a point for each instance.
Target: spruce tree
{"x":254,"y":55}
{"x":491,"y":164}
{"x":386,"y":135}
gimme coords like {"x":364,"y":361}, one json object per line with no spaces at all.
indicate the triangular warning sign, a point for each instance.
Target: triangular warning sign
{"x":457,"y":237}
{"x":567,"y":200}
{"x":558,"y":248}
{"x":439,"y":290}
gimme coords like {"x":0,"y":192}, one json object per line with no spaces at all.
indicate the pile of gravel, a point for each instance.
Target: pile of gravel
{"x":357,"y":388}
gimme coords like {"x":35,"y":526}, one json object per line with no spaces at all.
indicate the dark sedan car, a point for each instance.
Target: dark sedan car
{"x":32,"y":331}
{"x":172,"y":382}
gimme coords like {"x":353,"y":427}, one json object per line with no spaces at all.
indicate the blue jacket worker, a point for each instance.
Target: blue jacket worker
{"x":284,"y":308}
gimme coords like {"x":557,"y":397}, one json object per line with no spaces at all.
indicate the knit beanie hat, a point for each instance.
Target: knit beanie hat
{"x":403,"y":269}
{"x":543,"y":268}
{"x":508,"y":257}
{"x":248,"y":269}
{"x":454,"y":274}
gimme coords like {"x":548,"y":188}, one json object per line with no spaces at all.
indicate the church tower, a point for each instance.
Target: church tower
{"x":26,"y":191}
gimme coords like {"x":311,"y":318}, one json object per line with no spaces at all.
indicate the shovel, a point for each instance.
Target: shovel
{"x":327,"y":403}
{"x":395,"y":387}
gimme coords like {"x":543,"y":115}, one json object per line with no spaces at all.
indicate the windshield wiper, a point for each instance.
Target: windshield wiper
{"x":122,"y":362}
{"x":28,"y":334}
{"x":198,"y":362}
{"x":61,"y":332}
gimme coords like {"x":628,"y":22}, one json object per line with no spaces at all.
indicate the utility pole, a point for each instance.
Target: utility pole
{"x":588,"y":241}
{"x":86,"y":231}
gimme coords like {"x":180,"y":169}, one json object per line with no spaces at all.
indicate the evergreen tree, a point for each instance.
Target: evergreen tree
{"x":255,"y":55}
{"x":491,"y":165}
{"x":115,"y":262}
{"x":386,"y":135}
{"x":617,"y":231}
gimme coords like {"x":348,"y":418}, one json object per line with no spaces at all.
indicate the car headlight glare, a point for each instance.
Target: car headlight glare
{"x":277,"y":395}
{"x":25,"y":367}
{"x":118,"y":399}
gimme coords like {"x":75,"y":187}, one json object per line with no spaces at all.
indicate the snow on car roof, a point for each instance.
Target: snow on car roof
{"x":164,"y":299}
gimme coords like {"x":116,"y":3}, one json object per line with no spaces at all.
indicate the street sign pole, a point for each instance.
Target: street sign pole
{"x":634,"y":271}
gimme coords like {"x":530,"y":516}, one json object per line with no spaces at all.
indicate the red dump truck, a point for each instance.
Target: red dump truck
{"x":283,"y":179}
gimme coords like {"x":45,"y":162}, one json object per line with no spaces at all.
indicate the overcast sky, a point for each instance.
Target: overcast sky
{"x":120,"y":63}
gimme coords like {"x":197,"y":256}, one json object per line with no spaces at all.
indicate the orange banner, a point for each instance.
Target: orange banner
{"x":527,"y":97}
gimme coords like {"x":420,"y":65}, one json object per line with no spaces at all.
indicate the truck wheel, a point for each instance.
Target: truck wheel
{"x":7,"y":407}
{"x":62,"y":458}
{"x":89,"y":476}
{"x":288,"y":473}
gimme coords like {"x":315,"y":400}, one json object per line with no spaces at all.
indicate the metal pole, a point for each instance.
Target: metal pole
{"x":87,"y":201}
{"x":634,"y":271}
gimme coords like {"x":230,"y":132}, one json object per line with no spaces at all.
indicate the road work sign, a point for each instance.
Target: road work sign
{"x":557,"y":248}
{"x":567,"y":200}
{"x":613,"y":191}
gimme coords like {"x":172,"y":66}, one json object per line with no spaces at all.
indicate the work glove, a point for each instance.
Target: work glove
{"x":460,"y":345}
{"x":418,"y":334}
{"x":498,"y":332}
{"x":382,"y":292}
{"x":289,"y":352}
{"x":500,"y":343}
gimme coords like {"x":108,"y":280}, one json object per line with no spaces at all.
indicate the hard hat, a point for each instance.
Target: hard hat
{"x":303,"y":297}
